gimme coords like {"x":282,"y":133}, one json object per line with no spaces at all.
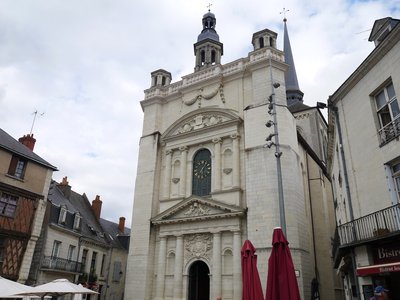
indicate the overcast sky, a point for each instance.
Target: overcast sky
{"x":85,"y":64}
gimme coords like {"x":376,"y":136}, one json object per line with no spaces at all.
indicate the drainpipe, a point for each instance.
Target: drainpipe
{"x":312,"y":220}
{"x":346,"y":179}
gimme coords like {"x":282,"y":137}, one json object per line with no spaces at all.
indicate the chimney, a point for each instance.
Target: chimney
{"x":121,"y":225}
{"x":96,"y":206}
{"x":28,"y":140}
{"x":65,"y":187}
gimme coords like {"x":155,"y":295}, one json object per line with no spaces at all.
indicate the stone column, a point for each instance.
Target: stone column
{"x":167,"y":178}
{"x":182,"y":186}
{"x":162,"y":253}
{"x":237,"y":267}
{"x":178,"y":268}
{"x":236,"y":160}
{"x":217,"y":266}
{"x":217,"y":164}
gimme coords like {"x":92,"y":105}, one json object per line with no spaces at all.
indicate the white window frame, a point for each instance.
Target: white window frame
{"x":63,"y":214}
{"x":388,"y":130}
{"x":56,"y":249}
{"x":71,"y":252}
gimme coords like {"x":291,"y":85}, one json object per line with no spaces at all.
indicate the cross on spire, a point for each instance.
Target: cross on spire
{"x":284,"y":14}
{"x":209,"y":7}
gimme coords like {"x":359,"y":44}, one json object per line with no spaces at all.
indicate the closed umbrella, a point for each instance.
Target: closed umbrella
{"x":281,"y":282}
{"x":252,"y":289}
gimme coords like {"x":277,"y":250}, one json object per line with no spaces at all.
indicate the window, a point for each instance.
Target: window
{"x":8,"y":205}
{"x":77,"y":221}
{"x":84,"y":258}
{"x":103,"y":260}
{"x":261,"y":41}
{"x":17,"y":167}
{"x":56,"y":249}
{"x":396,"y":178}
{"x":117,"y":272}
{"x":388,"y":110}
{"x":201,"y":176}
{"x":93,"y":262}
{"x":63,"y":214}
{"x":71,"y":252}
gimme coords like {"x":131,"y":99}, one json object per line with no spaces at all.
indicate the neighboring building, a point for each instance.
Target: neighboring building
{"x":74,"y":244}
{"x":119,"y":237}
{"x":207,"y":180}
{"x":364,"y":163}
{"x":24,"y":183}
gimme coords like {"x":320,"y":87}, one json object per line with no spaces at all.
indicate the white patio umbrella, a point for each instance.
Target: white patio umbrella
{"x":58,"y":287}
{"x":9,"y":288}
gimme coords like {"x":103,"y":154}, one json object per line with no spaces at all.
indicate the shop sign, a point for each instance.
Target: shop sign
{"x":384,"y":254}
{"x":376,"y":269}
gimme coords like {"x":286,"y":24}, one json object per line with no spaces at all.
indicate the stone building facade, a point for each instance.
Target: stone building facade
{"x":207,"y":180}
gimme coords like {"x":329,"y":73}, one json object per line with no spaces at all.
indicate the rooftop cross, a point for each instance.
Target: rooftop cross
{"x":284,"y":14}
{"x":209,"y":6}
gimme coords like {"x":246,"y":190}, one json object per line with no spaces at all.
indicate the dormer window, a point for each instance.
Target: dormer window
{"x":77,"y":221}
{"x":63,"y":215}
{"x":17,"y":167}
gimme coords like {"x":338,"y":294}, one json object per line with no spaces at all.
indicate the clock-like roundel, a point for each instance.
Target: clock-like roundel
{"x":202,"y":169}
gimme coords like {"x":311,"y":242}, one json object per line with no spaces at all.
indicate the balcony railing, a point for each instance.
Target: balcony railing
{"x":61,"y":264}
{"x":390,"y":131}
{"x":376,"y":225}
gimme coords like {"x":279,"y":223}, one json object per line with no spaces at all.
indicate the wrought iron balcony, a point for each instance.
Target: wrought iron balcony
{"x":390,"y":131}
{"x":374,"y":226}
{"x":61,"y":264}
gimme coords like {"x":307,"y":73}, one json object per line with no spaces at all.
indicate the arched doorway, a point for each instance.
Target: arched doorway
{"x":199,"y":281}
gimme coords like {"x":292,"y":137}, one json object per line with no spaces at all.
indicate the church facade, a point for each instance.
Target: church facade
{"x":207,"y":179}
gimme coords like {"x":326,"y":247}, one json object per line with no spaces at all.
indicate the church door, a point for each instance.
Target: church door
{"x":199,"y":281}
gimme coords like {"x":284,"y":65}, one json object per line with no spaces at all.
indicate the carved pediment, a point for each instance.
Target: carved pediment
{"x":196,"y":208}
{"x":201,"y":119}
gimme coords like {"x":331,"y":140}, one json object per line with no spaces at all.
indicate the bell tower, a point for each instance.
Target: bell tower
{"x":208,"y":49}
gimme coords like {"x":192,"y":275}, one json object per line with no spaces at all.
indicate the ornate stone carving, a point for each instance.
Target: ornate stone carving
{"x":206,"y":96}
{"x":198,"y":245}
{"x":197,"y":209}
{"x":200,"y":121}
{"x":227,"y":171}
{"x":175,"y":180}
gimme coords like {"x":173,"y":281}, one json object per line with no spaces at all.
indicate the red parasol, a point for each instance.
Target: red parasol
{"x":281,"y":282}
{"x":252,"y":289}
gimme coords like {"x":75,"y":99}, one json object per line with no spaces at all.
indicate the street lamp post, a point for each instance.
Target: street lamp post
{"x":272,"y":111}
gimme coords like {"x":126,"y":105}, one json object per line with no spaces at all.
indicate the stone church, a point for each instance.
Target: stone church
{"x":207,"y":175}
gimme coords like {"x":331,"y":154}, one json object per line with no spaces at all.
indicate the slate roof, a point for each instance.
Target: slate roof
{"x":90,"y":227}
{"x":8,"y":143}
{"x":117,"y":238}
{"x":298,"y":106}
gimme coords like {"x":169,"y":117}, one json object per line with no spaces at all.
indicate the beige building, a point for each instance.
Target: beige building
{"x":207,"y":176}
{"x":24,"y":183}
{"x":364,"y":163}
{"x":78,"y":245}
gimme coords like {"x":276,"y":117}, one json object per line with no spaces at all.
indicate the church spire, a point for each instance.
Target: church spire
{"x":208,"y":49}
{"x":293,"y":92}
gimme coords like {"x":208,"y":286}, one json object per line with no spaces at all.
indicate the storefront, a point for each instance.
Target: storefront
{"x":384,"y":271}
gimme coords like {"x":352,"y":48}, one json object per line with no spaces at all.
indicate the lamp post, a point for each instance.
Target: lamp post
{"x":272,"y":111}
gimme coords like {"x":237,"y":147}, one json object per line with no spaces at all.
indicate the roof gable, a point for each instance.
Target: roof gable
{"x":10,"y":144}
{"x":197,"y":208}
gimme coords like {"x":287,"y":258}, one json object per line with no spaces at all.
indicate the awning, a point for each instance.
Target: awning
{"x":376,"y":269}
